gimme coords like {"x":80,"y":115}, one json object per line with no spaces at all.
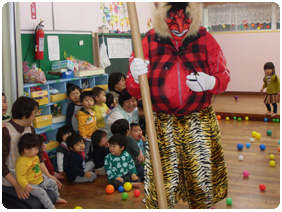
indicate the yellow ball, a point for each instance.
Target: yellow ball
{"x":258,"y":136}
{"x":271,"y":157}
{"x":254,"y":133}
{"x":227,"y":118}
{"x":272,"y":163}
{"x":247,"y":118}
{"x":127,"y":186}
{"x":78,"y":207}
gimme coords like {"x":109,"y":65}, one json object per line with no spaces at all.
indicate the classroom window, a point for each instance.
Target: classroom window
{"x":242,"y":16}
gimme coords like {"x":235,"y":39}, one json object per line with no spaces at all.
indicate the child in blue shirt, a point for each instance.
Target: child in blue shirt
{"x":137,"y":134}
{"x":119,"y":165}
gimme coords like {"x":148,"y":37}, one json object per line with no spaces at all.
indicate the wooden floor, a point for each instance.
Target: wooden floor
{"x":244,"y":192}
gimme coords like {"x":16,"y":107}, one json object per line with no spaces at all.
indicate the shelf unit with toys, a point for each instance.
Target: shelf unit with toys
{"x":52,"y":108}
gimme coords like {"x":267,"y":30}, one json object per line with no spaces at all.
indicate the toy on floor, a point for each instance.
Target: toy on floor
{"x":124,"y":196}
{"x":248,"y":145}
{"x":240,"y":146}
{"x":252,"y":140}
{"x":272,"y":163}
{"x":239,"y":119}
{"x":127,"y":186}
{"x":241,"y":157}
{"x":234,"y":117}
{"x":262,"y":147}
{"x":254,"y":133}
{"x":236,"y":97}
{"x":269,"y":132}
{"x":110,"y":189}
{"x":262,"y":187}
{"x":218,"y":117}
{"x":227,"y":118}
{"x":258,"y":136}
{"x":265,"y":119}
{"x":246,"y":173}
{"x":136,"y":193}
{"x":78,"y":207}
{"x":229,"y":201}
{"x":120,"y":189}
{"x":271,"y":157}
{"x":246,"y":118}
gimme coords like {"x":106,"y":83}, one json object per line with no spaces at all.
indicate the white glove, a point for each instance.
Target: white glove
{"x":200,"y":82}
{"x":138,"y":67}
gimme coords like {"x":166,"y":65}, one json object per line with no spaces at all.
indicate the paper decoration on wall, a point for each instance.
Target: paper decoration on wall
{"x":149,"y":24}
{"x":119,"y":48}
{"x":115,"y":15}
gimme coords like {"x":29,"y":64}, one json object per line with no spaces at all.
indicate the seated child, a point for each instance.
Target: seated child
{"x":100,"y":108}
{"x":29,"y":174}
{"x":62,"y":150}
{"x":142,"y":121}
{"x":5,"y":116}
{"x":46,"y":159}
{"x":100,"y":150}
{"x":87,"y":120}
{"x":73,"y":93}
{"x":136,"y":133}
{"x":119,"y":165}
{"x":77,"y":170}
{"x":111,"y":101}
{"x":122,"y":126}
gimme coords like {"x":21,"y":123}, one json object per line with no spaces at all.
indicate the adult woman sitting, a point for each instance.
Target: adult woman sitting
{"x":116,"y":84}
{"x":14,"y":196}
{"x":127,"y":109}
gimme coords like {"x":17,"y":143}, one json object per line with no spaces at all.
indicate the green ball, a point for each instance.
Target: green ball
{"x":277,"y":120}
{"x":273,"y":120}
{"x":229,"y":201}
{"x":278,"y":142}
{"x":269,"y":132}
{"x":124,"y":195}
{"x":239,"y":119}
{"x":234,"y":117}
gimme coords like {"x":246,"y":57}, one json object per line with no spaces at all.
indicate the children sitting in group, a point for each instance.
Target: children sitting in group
{"x":100,"y":108}
{"x":29,"y":175}
{"x":137,"y":134}
{"x":111,"y":102}
{"x":78,"y":171}
{"x":122,"y":126}
{"x":73,"y":93}
{"x":142,"y":121}
{"x":87,"y":120}
{"x":100,"y":150}
{"x":62,"y":150}
{"x":119,"y":165}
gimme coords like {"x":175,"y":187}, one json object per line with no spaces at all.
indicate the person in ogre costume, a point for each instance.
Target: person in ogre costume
{"x":185,"y":66}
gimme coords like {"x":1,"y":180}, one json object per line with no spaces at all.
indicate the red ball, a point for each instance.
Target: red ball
{"x":262,"y":187}
{"x":110,"y":189}
{"x":136,"y":193}
{"x":218,"y":117}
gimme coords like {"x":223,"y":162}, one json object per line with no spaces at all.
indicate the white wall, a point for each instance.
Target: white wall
{"x":79,"y":16}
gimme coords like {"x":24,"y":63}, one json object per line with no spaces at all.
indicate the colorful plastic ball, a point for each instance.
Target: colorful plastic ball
{"x":78,"y":207}
{"x":120,"y":189}
{"x":240,"y":146}
{"x":277,"y":120}
{"x":239,"y":119}
{"x":241,"y":157}
{"x":229,"y":201}
{"x":269,"y":132}
{"x":258,"y":136}
{"x":218,"y":117}
{"x":273,"y":120}
{"x":271,"y":157}
{"x":227,"y":118}
{"x":278,"y":149}
{"x":110,"y":189}
{"x":254,"y":133}
{"x":124,"y":195}
{"x":235,"y":97}
{"x":265,"y":119}
{"x":234,"y":117}
{"x":136,"y":193}
{"x":272,"y":163}
{"x":127,"y":186}
{"x":246,"y":118}
{"x":252,"y":140}
{"x":262,"y":147}
{"x":248,"y":145}
{"x":262,"y":187}
{"x":246,"y":173}
{"x":278,"y":142}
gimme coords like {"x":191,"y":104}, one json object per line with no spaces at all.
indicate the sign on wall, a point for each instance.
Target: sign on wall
{"x":119,"y":48}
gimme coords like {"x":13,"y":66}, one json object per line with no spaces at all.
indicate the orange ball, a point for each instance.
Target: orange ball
{"x":278,"y":149}
{"x":110,"y":189}
{"x":218,"y":117}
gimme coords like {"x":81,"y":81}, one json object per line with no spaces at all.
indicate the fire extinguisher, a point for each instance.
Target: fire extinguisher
{"x":39,"y":39}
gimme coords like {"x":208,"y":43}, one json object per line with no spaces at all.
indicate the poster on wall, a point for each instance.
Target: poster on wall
{"x":119,"y":48}
{"x":115,"y":15}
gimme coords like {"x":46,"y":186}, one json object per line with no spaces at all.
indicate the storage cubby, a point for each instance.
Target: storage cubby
{"x":61,"y":86}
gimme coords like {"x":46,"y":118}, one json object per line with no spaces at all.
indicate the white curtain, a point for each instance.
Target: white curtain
{"x":243,"y":13}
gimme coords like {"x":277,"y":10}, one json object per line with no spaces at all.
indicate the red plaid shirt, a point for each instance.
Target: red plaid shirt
{"x":170,"y":62}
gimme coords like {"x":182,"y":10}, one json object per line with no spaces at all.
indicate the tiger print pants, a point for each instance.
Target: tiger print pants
{"x":192,"y":160}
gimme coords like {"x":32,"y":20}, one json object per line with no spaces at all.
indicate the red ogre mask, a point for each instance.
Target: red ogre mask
{"x":178,"y":23}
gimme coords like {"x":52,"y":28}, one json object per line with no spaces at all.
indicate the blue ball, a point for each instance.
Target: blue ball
{"x":240,"y":146}
{"x":262,"y":147}
{"x":265,"y":119}
{"x":248,"y":145}
{"x":121,"y":189}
